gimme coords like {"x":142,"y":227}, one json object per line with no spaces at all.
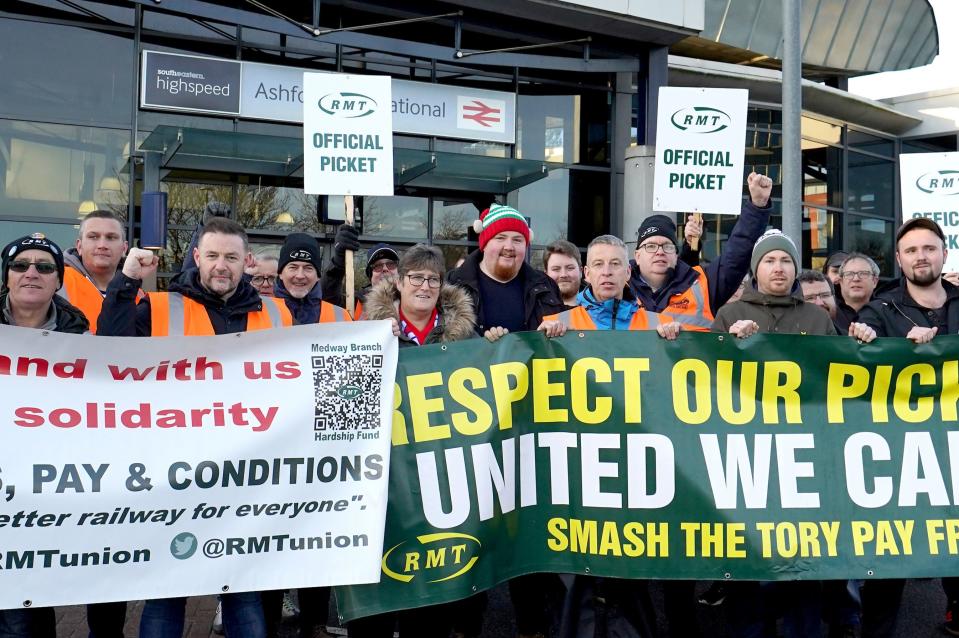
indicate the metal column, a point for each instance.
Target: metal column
{"x":792,"y":177}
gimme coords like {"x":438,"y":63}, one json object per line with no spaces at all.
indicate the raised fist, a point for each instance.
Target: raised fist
{"x":760,"y":188}
{"x":140,"y":264}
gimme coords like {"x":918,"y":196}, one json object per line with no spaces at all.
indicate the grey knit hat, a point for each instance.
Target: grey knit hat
{"x":773,"y":239}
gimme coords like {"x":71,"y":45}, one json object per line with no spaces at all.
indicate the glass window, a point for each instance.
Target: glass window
{"x":489,"y":149}
{"x":871,"y":237}
{"x":819,"y":235}
{"x":395,"y":217}
{"x":547,"y":204}
{"x":870,"y":185}
{"x":67,"y":74}
{"x":764,"y":118}
{"x":588,"y":210}
{"x":822,"y":174}
{"x":54,"y":170}
{"x":63,"y":235}
{"x":764,"y":155}
{"x":940,"y":144}
{"x":548,"y":128}
{"x":872,"y":143}
{"x":186,"y":201}
{"x":453,"y":219}
{"x":276,"y":208}
{"x":168,"y":23}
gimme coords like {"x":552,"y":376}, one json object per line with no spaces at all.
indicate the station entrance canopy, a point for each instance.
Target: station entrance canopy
{"x":177,"y":148}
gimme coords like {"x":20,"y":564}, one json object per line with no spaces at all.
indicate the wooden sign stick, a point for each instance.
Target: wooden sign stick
{"x":694,"y":244}
{"x":350,"y":279}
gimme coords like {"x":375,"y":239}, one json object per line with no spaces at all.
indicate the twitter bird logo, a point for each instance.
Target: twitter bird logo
{"x":183,"y":545}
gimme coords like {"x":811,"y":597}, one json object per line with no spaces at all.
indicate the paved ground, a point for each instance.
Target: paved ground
{"x":921,"y":616}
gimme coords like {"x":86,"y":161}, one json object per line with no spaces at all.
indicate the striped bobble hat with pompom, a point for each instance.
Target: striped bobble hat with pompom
{"x":497,"y":219}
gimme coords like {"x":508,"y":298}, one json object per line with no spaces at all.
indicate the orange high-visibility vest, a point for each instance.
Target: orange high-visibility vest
{"x":83,"y":293}
{"x":175,"y":315}
{"x":358,"y":311}
{"x":578,"y":319}
{"x":691,"y":307}
{"x":331,"y":312}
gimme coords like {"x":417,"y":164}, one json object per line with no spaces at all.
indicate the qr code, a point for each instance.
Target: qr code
{"x":347,"y":392}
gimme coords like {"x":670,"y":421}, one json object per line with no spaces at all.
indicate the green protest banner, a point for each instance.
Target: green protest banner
{"x":621,"y":454}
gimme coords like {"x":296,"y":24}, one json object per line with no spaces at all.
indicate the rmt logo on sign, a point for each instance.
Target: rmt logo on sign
{"x":700,"y":119}
{"x":944,"y":182}
{"x":347,"y":105}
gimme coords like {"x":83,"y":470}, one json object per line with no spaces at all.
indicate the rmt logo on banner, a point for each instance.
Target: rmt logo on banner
{"x":347,"y":396}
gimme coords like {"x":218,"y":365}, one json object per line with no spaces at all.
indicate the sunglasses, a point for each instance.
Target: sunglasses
{"x":43,"y":267}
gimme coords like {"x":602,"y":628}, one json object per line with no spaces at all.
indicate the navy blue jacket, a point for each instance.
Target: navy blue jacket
{"x":723,"y":275}
{"x":123,"y":317}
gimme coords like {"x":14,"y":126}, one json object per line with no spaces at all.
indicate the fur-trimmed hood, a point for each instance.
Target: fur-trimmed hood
{"x":457,"y":319}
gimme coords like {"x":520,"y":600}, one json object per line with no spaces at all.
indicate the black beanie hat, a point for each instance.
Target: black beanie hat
{"x":379,"y":251}
{"x":656,"y":225}
{"x":300,"y":247}
{"x":36,"y":241}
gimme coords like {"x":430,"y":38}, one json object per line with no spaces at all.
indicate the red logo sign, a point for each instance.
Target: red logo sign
{"x":481,"y":113}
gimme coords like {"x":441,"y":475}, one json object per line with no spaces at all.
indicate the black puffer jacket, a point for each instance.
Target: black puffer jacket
{"x":893,"y":313}
{"x":69,"y":318}
{"x":122,"y":317}
{"x":541,"y":295}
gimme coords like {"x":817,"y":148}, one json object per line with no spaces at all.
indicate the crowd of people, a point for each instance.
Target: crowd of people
{"x":754,"y":286}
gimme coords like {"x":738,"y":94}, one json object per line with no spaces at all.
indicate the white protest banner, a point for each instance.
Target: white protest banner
{"x":930,"y":188}
{"x":347,"y":134}
{"x":145,"y":468}
{"x":700,"y":145}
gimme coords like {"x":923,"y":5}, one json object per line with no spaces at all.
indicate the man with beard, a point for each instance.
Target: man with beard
{"x":508,"y":294}
{"x":920,"y":307}
{"x":210,"y":299}
{"x":562,"y":263}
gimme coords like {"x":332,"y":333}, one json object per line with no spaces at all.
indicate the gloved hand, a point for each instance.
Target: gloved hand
{"x":346,"y":239}
{"x":216,"y":209}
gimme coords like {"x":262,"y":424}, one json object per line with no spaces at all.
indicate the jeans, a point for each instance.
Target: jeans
{"x":28,"y":623}
{"x":242,"y":616}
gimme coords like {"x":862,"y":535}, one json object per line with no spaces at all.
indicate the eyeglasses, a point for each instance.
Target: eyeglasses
{"x":417,"y":280}
{"x":669,"y":248}
{"x":259,"y":280}
{"x":386,"y":267}
{"x":853,"y":274}
{"x":821,"y":295}
{"x":43,"y":267}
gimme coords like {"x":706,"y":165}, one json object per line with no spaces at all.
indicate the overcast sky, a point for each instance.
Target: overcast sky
{"x":941,"y":74}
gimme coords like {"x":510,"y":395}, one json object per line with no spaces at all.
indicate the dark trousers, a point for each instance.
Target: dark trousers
{"x":679,"y":607}
{"x":105,"y":620}
{"x":433,"y":621}
{"x":881,"y":600}
{"x":314,"y":609}
{"x":531,"y":596}
{"x":28,"y":623}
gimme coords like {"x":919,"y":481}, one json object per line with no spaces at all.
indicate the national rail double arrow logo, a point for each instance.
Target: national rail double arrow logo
{"x":481,"y":113}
